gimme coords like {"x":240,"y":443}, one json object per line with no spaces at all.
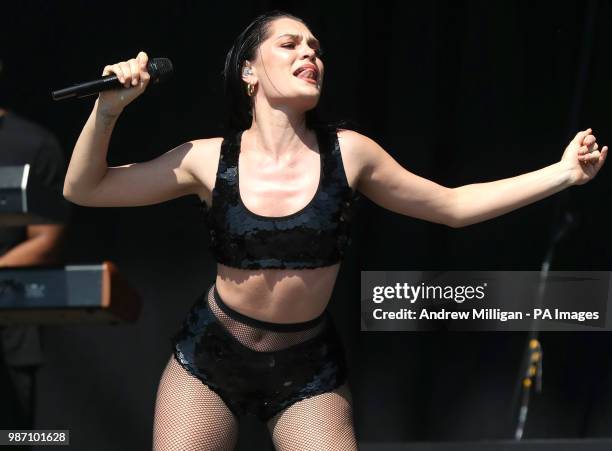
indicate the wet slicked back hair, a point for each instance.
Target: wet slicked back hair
{"x":239,"y":113}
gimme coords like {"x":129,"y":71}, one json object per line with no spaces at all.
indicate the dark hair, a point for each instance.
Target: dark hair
{"x":239,"y":114}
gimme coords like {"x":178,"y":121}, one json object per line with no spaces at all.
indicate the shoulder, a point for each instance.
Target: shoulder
{"x":352,"y":138}
{"x":36,"y":145}
{"x":29,"y":134}
{"x":358,"y":152}
{"x":206,"y":146}
{"x":200,"y":151}
{"x":15,"y":120}
{"x":359,"y":148}
{"x":201,"y":160}
{"x":357,"y":143}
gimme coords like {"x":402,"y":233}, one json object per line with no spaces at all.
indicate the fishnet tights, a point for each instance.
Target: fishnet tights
{"x":321,"y":423}
{"x":189,"y":416}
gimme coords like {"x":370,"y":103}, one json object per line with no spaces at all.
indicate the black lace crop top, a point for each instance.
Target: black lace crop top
{"x":316,"y":235}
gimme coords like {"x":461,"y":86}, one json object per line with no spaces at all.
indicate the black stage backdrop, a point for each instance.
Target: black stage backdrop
{"x":456,"y":91}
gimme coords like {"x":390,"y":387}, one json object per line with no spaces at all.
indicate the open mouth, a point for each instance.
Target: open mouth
{"x":308,"y":74}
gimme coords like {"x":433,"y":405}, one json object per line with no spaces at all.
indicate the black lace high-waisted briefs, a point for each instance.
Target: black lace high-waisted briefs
{"x":256,"y":367}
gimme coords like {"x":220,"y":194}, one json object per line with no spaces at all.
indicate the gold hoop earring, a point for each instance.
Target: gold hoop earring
{"x":250,"y":90}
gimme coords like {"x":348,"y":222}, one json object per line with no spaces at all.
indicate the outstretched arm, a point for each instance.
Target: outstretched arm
{"x":389,"y":185}
{"x":386,"y":183}
{"x":481,"y":201}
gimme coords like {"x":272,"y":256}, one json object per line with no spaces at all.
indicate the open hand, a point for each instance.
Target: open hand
{"x":583,"y":157}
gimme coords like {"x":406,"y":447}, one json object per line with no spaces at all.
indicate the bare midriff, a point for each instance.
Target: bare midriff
{"x":277,"y":295}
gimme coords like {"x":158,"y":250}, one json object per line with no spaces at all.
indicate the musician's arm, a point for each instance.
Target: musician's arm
{"x":90,"y":182}
{"x":43,"y":247}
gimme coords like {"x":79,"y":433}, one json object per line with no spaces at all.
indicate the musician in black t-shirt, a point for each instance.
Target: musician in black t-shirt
{"x":23,"y":142}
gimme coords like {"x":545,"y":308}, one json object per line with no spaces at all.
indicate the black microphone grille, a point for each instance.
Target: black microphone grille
{"x":160,"y":69}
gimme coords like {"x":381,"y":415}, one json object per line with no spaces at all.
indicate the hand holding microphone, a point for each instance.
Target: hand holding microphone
{"x":134,"y":77}
{"x":121,"y":82}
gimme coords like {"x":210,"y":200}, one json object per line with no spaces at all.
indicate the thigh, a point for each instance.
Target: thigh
{"x":189,"y":415}
{"x":324,"y":421}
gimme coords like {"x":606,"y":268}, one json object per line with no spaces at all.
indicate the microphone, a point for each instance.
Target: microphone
{"x":160,"y":70}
